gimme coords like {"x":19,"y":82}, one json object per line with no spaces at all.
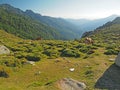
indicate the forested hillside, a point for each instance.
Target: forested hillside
{"x":30,"y":25}
{"x":65,"y":28}
{"x":14,"y":21}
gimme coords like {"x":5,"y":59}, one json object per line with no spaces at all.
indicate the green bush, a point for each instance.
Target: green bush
{"x":33,"y":58}
{"x":90,"y":52}
{"x":84,"y":50}
{"x":89,"y":72}
{"x":110,"y":47}
{"x":12,"y":63}
{"x":4,"y":72}
{"x":52,"y":53}
{"x":86,"y":56}
{"x":98,"y":45}
{"x":20,"y":55}
{"x":92,"y":47}
{"x":70,"y":53}
{"x":79,"y":46}
{"x":111,"y":52}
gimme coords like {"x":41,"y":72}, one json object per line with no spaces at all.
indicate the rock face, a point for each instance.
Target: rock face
{"x":117,"y":61}
{"x":4,"y":50}
{"x":71,"y":84}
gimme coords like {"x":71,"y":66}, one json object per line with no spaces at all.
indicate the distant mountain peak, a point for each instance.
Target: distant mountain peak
{"x":114,"y":15}
{"x":28,"y":10}
{"x":10,"y":8}
{"x":31,"y":12}
{"x":6,"y":5}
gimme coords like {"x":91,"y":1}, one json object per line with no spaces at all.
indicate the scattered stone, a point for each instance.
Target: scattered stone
{"x":4,"y":50}
{"x":64,"y":58}
{"x":112,"y":59}
{"x":71,"y":84}
{"x":87,"y":66}
{"x":56,"y":61}
{"x":68,"y":61}
{"x":72,"y":69}
{"x":117,"y":60}
{"x":31,"y":62}
{"x":38,"y":73}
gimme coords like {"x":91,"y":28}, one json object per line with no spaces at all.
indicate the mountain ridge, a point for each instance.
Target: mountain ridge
{"x":56,"y":28}
{"x":108,"y":33}
{"x":15,"y":21}
{"x":64,"y":27}
{"x":88,"y":25}
{"x":30,"y":25}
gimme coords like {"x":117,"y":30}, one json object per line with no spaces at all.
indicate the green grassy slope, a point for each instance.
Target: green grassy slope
{"x":8,"y":39}
{"x":108,"y":33}
{"x":55,"y":60}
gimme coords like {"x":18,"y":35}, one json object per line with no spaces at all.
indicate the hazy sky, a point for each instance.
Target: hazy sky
{"x":69,"y":8}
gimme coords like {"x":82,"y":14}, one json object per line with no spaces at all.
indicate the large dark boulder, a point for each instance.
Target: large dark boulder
{"x":117,"y":61}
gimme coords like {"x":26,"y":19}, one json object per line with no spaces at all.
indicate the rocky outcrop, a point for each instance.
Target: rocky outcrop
{"x":71,"y":84}
{"x":117,"y":61}
{"x":4,"y":50}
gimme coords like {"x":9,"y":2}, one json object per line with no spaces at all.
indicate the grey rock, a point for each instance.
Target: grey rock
{"x":31,"y":62}
{"x":111,"y":59}
{"x":117,"y":60}
{"x":72,"y":69}
{"x":71,"y":84}
{"x":38,"y":73}
{"x":56,"y":61}
{"x":4,"y":50}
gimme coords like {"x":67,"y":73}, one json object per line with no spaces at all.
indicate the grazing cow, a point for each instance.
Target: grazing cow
{"x":88,"y":40}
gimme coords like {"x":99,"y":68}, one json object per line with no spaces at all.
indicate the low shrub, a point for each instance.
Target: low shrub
{"x":98,"y":45}
{"x":91,"y":52}
{"x":86,"y":56}
{"x":33,"y":58}
{"x":20,"y":55}
{"x":52,"y":53}
{"x":92,"y":47}
{"x":12,"y":63}
{"x":4,"y":72}
{"x":84,"y":50}
{"x":79,"y":46}
{"x":111,"y":52}
{"x":88,"y":72}
{"x":70,"y":53}
{"x":110,"y":47}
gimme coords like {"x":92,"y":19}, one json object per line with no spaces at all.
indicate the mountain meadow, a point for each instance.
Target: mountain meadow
{"x":37,"y":52}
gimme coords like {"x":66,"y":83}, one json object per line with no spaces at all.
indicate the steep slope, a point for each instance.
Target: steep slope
{"x":8,"y":39}
{"x":14,"y":21}
{"x":66,"y":29}
{"x":108,"y":33}
{"x":87,"y":25}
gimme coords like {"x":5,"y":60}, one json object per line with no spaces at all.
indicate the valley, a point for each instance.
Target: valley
{"x":38,"y":52}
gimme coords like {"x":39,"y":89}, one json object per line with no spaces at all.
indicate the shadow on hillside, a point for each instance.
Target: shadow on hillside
{"x":110,"y":80}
